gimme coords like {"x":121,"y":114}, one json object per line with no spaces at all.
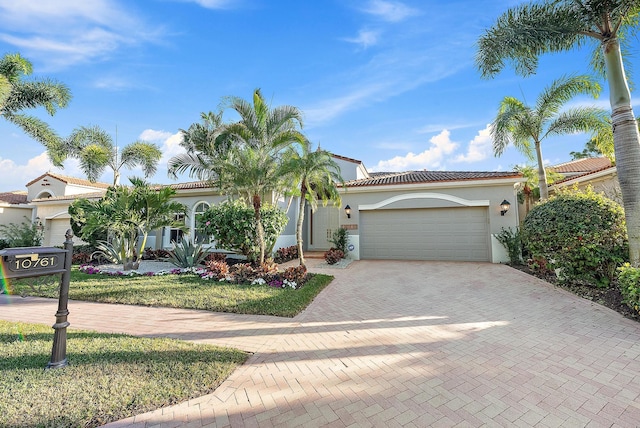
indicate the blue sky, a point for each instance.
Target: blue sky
{"x":391,"y":83}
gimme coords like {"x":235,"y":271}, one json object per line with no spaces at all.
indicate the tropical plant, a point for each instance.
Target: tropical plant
{"x":317,"y":175}
{"x":521,"y":125}
{"x":232,"y":225}
{"x":18,"y":94}
{"x":525,"y":32}
{"x":115,"y":252}
{"x":187,"y":254}
{"x":127,"y":213}
{"x":78,"y":212}
{"x":250,"y":166}
{"x":510,"y":240}
{"x":95,"y":150}
{"x":340,"y":238}
{"x":582,"y":233}
{"x":25,"y":234}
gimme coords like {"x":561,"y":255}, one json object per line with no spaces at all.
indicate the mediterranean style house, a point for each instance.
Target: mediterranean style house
{"x":413,"y":215}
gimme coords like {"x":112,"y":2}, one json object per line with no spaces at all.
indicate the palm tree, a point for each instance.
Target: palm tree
{"x":253,"y":167}
{"x":249,"y":163}
{"x":95,"y":149}
{"x":525,"y":32}
{"x":316,"y":174}
{"x":17,"y":94}
{"x":521,"y":125}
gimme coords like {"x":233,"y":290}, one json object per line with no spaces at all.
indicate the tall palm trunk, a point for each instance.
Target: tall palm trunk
{"x":303,"y":201}
{"x":542,"y":174}
{"x":626,"y":141}
{"x":257,"y":203}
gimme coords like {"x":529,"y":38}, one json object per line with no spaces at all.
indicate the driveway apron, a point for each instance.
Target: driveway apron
{"x":412,"y":344}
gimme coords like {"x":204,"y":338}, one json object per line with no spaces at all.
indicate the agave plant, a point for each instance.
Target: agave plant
{"x":187,"y":253}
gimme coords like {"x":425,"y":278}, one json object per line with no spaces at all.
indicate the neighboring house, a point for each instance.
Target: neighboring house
{"x":15,"y":208}
{"x":598,"y":173}
{"x":414,"y":215}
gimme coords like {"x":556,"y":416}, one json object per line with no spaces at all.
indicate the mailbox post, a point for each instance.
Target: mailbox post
{"x":29,"y":262}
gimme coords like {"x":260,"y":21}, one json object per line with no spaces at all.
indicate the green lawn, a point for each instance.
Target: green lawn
{"x":185,"y":291}
{"x":110,"y":376}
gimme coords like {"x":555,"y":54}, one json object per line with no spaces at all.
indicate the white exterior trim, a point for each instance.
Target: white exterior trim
{"x":407,"y":196}
{"x":613,"y":172}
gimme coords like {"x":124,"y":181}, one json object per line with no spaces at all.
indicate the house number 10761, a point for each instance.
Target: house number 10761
{"x":30,"y":263}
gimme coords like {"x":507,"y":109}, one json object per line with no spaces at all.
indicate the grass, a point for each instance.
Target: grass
{"x":110,"y":376}
{"x":184,"y":291}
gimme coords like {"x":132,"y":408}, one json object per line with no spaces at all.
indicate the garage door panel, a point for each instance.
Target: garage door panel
{"x":426,"y":234}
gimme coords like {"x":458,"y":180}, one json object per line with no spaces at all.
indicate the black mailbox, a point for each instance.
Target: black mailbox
{"x":24,"y":262}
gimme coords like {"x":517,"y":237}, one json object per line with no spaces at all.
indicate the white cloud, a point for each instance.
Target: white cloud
{"x":15,"y":176}
{"x":155,"y":136}
{"x":66,"y":32}
{"x":391,"y":11}
{"x":365,"y":38}
{"x":431,"y":158}
{"x":479,"y":148}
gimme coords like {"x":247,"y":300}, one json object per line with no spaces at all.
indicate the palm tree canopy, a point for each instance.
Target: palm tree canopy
{"x":525,"y":32}
{"x":95,"y":150}
{"x":17,"y":94}
{"x":316,"y":173}
{"x":521,"y":125}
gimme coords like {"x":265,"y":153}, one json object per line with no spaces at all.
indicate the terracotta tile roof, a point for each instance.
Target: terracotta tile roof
{"x":14,"y":198}
{"x":71,"y":180}
{"x":189,"y":185}
{"x":582,"y":165}
{"x":410,"y":177}
{"x":92,"y":195}
{"x":585,"y":175}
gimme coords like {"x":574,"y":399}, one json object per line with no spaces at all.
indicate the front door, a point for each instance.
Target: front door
{"x":322,"y":223}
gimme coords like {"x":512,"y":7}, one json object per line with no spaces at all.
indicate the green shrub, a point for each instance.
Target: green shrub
{"x":285,"y":254}
{"x":581,"y":233}
{"x":232,"y":224}
{"x":510,"y":239}
{"x":333,"y":256}
{"x":25,"y":234}
{"x":340,"y":239}
{"x":629,"y":284}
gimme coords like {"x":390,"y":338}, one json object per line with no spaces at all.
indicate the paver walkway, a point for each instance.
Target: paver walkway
{"x":409,"y":344}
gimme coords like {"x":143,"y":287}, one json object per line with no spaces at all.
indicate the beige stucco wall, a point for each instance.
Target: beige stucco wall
{"x":15,"y":214}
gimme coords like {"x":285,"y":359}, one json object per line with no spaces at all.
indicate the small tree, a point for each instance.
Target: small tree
{"x":581,"y":233}
{"x":233,"y":227}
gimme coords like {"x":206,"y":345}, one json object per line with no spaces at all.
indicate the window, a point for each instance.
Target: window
{"x":175,"y":234}
{"x":199,"y":234}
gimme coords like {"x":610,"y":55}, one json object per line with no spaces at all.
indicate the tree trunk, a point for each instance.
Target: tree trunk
{"x":299,"y":227}
{"x":257,"y":203}
{"x":542,"y":174}
{"x":626,"y":142}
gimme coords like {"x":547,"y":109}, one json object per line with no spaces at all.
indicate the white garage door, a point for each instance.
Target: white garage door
{"x":460,"y":234}
{"x":58,"y":228}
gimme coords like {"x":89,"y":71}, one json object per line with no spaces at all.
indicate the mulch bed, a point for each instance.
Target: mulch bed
{"x":609,"y":297}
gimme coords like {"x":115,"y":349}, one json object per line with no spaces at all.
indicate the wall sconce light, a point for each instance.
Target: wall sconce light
{"x":347,"y":211}
{"x":504,"y":207}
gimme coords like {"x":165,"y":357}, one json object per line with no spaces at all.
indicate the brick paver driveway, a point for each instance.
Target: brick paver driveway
{"x":404,"y":344}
